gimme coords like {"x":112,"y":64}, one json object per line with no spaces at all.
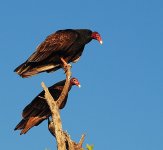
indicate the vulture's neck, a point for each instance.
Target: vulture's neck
{"x":85,"y":35}
{"x":70,"y":86}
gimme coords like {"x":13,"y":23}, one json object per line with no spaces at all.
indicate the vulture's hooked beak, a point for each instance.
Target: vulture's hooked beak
{"x":79,"y":85}
{"x":100,"y":41}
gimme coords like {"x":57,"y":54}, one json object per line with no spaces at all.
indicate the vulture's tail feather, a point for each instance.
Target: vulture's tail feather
{"x":26,"y":124}
{"x":33,"y":121}
{"x":27,"y":70}
{"x":23,"y":67}
{"x":21,"y":124}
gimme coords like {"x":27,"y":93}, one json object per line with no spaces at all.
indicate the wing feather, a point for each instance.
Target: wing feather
{"x":59,"y":42}
{"x":38,"y":104}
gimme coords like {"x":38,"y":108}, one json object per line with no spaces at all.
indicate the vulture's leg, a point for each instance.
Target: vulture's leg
{"x":65,"y":64}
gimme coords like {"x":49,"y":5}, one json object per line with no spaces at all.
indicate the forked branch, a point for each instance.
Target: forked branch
{"x":64,"y":141}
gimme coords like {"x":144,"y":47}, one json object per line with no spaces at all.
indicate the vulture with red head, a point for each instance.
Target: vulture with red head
{"x":66,"y":44}
{"x":38,"y":110}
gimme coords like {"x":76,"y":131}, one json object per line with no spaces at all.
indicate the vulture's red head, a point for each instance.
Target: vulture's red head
{"x":75,"y":81}
{"x":96,"y":36}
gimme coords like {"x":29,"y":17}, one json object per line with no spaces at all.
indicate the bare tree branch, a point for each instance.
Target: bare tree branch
{"x":56,"y":119}
{"x":64,"y":141}
{"x":66,"y":86}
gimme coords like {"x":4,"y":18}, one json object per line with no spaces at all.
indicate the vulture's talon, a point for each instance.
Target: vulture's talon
{"x":65,"y":67}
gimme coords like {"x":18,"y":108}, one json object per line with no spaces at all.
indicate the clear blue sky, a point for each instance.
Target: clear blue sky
{"x":120,"y":104}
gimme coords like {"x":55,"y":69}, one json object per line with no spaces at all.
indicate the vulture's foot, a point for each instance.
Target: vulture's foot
{"x":65,"y":65}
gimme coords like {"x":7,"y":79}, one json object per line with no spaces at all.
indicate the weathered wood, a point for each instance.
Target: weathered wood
{"x":63,"y":139}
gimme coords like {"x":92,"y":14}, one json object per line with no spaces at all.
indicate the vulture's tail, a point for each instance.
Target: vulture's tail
{"x":26,"y":125}
{"x":21,"y":124}
{"x":23,"y":68}
{"x":26,"y":70}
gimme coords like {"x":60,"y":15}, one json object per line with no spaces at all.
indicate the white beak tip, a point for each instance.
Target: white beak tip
{"x":79,"y":86}
{"x":101,"y":42}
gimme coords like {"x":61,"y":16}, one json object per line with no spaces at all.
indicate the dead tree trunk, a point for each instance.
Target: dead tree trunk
{"x":63,"y":139}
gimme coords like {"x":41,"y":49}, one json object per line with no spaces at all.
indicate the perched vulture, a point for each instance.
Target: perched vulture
{"x":38,"y":110}
{"x":67,"y":44}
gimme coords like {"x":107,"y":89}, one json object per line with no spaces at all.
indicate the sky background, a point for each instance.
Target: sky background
{"x":120,"y":104}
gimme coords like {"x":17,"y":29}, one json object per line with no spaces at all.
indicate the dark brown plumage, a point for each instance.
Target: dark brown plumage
{"x":38,"y":110}
{"x":68,"y":44}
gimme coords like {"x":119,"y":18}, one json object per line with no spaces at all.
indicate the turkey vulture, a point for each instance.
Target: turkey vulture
{"x":67,"y":44}
{"x":38,"y":110}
